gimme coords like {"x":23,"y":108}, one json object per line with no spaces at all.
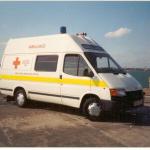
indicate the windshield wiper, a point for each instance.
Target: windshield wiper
{"x":115,"y":72}
{"x":119,"y":72}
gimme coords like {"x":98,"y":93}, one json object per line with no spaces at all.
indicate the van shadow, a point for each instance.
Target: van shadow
{"x":53,"y":107}
{"x":140,"y":117}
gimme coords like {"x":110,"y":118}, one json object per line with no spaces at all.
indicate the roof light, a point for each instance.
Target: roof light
{"x":81,"y":34}
{"x":63,"y":30}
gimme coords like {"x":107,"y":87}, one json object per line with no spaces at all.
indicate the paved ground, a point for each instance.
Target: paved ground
{"x":51,"y":125}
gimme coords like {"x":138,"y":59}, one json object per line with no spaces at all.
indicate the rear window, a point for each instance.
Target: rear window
{"x":46,"y":63}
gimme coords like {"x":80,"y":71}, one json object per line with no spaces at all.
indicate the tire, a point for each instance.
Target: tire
{"x":92,"y":108}
{"x":20,"y":98}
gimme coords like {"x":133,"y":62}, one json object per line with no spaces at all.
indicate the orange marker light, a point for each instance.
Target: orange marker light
{"x":113,"y":92}
{"x":117,"y":92}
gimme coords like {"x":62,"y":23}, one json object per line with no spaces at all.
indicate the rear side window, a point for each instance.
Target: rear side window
{"x":75,"y":65}
{"x":46,"y":63}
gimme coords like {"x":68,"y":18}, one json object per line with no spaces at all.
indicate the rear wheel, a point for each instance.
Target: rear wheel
{"x":20,"y":98}
{"x":92,"y":108}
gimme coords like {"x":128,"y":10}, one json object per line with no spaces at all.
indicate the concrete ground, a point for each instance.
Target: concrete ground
{"x":43,"y":124}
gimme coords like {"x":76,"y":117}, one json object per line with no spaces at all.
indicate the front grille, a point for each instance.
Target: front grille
{"x":134,"y":95}
{"x":128,"y":100}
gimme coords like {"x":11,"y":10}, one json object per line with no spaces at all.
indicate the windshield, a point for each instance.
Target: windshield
{"x":103,"y":63}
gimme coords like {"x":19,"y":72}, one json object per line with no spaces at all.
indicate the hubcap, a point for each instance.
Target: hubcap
{"x":94,"y":109}
{"x":20,"y":99}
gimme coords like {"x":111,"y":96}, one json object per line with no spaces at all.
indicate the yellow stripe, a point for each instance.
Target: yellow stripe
{"x":99,"y":83}
{"x":55,"y":80}
{"x":76,"y":81}
{"x":30,"y":78}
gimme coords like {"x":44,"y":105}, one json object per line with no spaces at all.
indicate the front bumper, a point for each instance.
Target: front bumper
{"x":132,"y":100}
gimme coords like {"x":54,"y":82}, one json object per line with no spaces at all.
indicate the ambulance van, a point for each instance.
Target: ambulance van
{"x":70,"y":70}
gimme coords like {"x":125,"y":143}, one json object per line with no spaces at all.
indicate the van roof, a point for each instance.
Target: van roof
{"x":52,"y":43}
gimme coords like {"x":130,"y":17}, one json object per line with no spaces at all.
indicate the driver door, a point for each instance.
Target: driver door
{"x":75,"y":80}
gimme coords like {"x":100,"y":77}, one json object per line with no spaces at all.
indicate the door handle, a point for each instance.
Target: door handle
{"x":60,"y":76}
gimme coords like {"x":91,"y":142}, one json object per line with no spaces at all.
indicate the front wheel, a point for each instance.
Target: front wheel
{"x":92,"y":108}
{"x":20,"y":98}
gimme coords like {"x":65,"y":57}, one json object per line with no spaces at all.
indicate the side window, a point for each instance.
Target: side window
{"x":75,"y":65}
{"x":83,"y":69}
{"x":71,"y":64}
{"x":46,"y":63}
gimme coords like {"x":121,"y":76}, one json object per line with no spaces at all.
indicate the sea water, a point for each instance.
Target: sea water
{"x":142,"y":76}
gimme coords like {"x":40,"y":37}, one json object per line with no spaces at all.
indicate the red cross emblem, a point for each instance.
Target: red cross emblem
{"x":16,"y":63}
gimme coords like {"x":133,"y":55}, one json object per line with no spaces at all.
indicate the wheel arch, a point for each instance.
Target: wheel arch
{"x":18,"y":88}
{"x":87,"y":95}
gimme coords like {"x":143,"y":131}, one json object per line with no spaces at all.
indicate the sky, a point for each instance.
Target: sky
{"x":121,"y":28}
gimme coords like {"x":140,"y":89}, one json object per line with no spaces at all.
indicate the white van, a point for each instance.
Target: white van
{"x":71,"y":70}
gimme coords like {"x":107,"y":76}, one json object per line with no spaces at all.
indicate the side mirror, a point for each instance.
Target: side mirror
{"x":91,"y":74}
{"x":88,"y":73}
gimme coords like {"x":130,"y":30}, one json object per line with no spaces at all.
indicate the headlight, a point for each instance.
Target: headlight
{"x":117,"y":92}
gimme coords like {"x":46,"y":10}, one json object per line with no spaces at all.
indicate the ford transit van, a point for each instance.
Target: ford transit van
{"x":66,"y":69}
